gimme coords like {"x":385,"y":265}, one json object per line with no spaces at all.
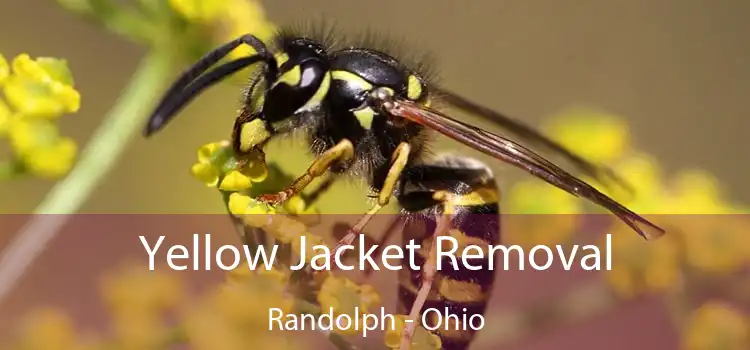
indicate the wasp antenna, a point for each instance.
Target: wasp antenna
{"x":169,"y":107}
{"x":186,"y":87}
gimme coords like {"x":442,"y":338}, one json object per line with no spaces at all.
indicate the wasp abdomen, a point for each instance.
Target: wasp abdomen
{"x":455,"y":306}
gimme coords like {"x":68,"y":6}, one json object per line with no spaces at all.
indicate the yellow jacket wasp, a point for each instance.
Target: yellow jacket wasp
{"x":367,"y":114}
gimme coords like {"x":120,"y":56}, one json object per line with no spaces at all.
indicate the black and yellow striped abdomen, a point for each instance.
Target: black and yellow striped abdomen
{"x":458,"y":290}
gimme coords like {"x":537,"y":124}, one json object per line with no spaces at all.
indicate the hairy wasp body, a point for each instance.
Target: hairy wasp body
{"x":367,"y":114}
{"x":323,"y":95}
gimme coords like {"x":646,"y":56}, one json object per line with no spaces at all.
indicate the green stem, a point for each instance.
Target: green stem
{"x":96,"y":161}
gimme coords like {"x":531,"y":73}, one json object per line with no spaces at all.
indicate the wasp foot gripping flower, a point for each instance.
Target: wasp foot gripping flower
{"x":421,"y":340}
{"x":715,"y":325}
{"x":37,"y":92}
{"x":344,"y":297}
{"x":216,"y":162}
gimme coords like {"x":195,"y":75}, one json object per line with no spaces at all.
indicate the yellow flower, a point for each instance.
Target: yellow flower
{"x":235,"y":181}
{"x":137,"y":299}
{"x":421,"y":340}
{"x":242,"y":17}
{"x":543,"y":214}
{"x":295,"y":205}
{"x":43,"y":151}
{"x":236,"y":314}
{"x":6,"y":117}
{"x":136,"y":288}
{"x":715,"y":243}
{"x":211,"y":159}
{"x":216,"y":161}
{"x":205,"y":329}
{"x":538,"y":197}
{"x":48,"y":329}
{"x":205,"y":173}
{"x":642,"y":172}
{"x":41,"y":88}
{"x":210,"y":150}
{"x":597,"y":136}
{"x":266,"y":290}
{"x":341,"y":296}
{"x":139,"y":329}
{"x":284,"y":228}
{"x":640,"y":266}
{"x":697,"y":192}
{"x":54,"y":161}
{"x":199,"y":10}
{"x":292,"y":232}
{"x":716,"y":325}
{"x":4,"y":69}
{"x":273,"y":276}
{"x":714,"y":240}
{"x":242,"y":205}
{"x":37,"y":92}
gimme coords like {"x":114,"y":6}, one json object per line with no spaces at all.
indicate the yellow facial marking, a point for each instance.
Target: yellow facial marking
{"x":281,"y":58}
{"x":252,"y":134}
{"x":414,"y":88}
{"x":291,"y":77}
{"x":365,"y":117}
{"x":320,"y":94}
{"x":351,"y":78}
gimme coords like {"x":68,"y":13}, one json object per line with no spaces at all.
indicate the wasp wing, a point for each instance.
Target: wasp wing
{"x":519,"y":156}
{"x":529,"y":134}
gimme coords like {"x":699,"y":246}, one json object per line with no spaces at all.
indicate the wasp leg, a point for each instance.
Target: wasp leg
{"x":429,"y":269}
{"x":392,"y":228}
{"x":341,"y":152}
{"x":398,"y":163}
{"x":457,"y":197}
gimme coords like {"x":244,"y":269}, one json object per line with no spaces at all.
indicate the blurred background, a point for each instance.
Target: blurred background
{"x":674,"y":71}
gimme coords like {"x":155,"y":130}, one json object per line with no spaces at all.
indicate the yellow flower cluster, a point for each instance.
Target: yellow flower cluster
{"x":542,"y":214}
{"x":141,"y":303}
{"x":49,"y":329}
{"x":701,"y":234}
{"x":217,"y":166}
{"x":36,"y":93}
{"x":639,"y":266}
{"x":339,"y":294}
{"x":236,"y":314}
{"x":138,"y":300}
{"x":716,"y":325}
{"x":342,"y":296}
{"x":234,"y":18}
{"x":421,"y":340}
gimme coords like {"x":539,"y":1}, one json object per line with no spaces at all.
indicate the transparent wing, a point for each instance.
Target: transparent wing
{"x":521,"y":157}
{"x":529,"y":134}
